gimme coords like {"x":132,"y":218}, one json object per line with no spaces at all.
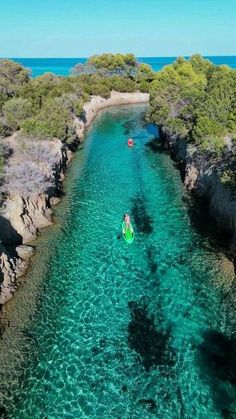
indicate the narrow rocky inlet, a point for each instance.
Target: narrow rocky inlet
{"x":102,"y":329}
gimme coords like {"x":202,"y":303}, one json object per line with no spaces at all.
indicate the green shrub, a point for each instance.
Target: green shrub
{"x":228,"y":179}
{"x":16,"y":110}
{"x":209,"y":135}
{"x":201,"y":65}
{"x":100,"y":90}
{"x":97,"y":89}
{"x":30,"y":127}
{"x":3,"y":99}
{"x":52,"y":121}
{"x":122,"y":84}
{"x":113,"y":61}
{"x":3,"y":152}
{"x":212,"y":144}
{"x":4,"y":128}
{"x":206,"y":127}
{"x":195,"y":99}
{"x":177,"y":127}
{"x":78,"y":106}
{"x":145,"y":73}
{"x":108,"y":65}
{"x":144,"y":86}
{"x":12,"y":77}
{"x":175,"y":89}
{"x":44,"y":87}
{"x":232,"y":121}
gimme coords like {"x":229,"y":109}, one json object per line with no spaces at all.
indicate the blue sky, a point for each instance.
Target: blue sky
{"x":80,"y":28}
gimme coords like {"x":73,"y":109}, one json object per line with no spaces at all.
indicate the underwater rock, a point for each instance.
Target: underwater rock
{"x":142,"y":219}
{"x":148,"y":403}
{"x":151,"y":344}
{"x":3,"y":412}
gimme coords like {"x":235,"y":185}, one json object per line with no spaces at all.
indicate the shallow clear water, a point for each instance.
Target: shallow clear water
{"x":120,"y":331}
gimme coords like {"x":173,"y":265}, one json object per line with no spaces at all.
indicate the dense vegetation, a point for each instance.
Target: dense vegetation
{"x":191,"y":99}
{"x":195,"y":100}
{"x":44,"y":107}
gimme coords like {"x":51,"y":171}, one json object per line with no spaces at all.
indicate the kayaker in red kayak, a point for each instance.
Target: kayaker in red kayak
{"x":130,"y":142}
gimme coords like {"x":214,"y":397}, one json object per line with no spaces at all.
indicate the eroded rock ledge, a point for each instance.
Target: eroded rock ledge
{"x":22,"y":215}
{"x":202,"y":175}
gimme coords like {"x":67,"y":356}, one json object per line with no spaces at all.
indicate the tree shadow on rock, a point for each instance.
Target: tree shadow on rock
{"x":9,"y":240}
{"x":8,"y":235}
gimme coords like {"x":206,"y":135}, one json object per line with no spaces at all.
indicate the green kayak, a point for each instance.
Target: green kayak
{"x":128,"y":234}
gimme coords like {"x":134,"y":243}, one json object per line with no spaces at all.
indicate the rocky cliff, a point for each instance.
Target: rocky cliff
{"x":27,"y":206}
{"x":203,"y":176}
{"x":32,"y":185}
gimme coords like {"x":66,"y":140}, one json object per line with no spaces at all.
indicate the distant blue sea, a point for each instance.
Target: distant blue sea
{"x":62,"y":66}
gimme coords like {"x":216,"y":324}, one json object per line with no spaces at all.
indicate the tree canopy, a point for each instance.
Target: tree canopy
{"x":195,"y":100}
{"x":45,"y":106}
{"x":12,"y":77}
{"x":109,"y":65}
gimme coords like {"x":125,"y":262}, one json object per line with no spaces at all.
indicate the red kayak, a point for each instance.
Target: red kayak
{"x":130,"y":142}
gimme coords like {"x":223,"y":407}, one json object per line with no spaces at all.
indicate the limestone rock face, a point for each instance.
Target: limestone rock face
{"x":28,"y":214}
{"x":12,"y":267}
{"x":202,"y":176}
{"x":191,"y":177}
{"x":25,"y":252}
{"x":24,"y":214}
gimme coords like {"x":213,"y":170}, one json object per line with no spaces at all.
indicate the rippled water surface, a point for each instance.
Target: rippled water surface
{"x":102,"y":329}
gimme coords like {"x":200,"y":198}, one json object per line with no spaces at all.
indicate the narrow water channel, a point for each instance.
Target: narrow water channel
{"x":118,"y":330}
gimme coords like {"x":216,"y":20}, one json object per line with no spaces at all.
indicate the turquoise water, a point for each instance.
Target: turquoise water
{"x":63,"y":66}
{"x":118,"y":330}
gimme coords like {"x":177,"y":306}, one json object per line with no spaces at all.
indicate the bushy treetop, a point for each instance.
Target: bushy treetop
{"x":12,"y":76}
{"x":112,"y":61}
{"x":196,"y":100}
{"x":108,"y":65}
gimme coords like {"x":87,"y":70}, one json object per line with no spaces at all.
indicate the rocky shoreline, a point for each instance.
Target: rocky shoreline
{"x":202,"y":177}
{"x":23,"y":215}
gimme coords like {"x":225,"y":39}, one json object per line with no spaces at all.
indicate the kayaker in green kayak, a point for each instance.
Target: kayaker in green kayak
{"x":127,"y":223}
{"x":127,"y":229}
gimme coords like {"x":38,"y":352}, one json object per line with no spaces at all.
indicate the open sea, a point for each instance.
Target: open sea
{"x":63,"y":66}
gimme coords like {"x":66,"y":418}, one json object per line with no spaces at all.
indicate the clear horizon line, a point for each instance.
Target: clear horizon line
{"x":143,"y":56}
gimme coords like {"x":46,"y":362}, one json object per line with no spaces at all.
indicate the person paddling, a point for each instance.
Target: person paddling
{"x":130,"y":142}
{"x":127,"y":229}
{"x":127,"y":223}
